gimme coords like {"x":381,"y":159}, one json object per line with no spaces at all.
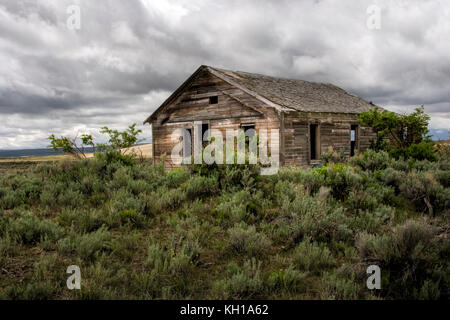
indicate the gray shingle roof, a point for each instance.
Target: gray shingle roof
{"x":298,"y":94}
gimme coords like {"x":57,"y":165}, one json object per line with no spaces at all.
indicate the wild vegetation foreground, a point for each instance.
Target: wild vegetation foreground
{"x":138,"y":232}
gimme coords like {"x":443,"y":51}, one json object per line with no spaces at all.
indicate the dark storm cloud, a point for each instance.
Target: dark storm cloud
{"x":129,"y":55}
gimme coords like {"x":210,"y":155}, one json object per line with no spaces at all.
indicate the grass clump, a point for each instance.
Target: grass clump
{"x":241,"y":282}
{"x":312,"y":256}
{"x":86,"y":246}
{"x":246,"y":240}
{"x":28,"y":229}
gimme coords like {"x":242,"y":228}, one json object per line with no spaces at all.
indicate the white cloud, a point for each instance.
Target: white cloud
{"x":122,"y":34}
{"x":129,"y":56}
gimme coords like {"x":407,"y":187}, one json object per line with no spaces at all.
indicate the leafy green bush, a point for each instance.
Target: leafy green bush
{"x":401,"y":135}
{"x":10,"y":199}
{"x":285,"y":191}
{"x":341,"y":179}
{"x":391,"y":177}
{"x":409,"y":259}
{"x":423,"y":150}
{"x":231,"y":177}
{"x":312,"y":179}
{"x":308,"y":216}
{"x":28,"y":229}
{"x":246,"y":240}
{"x":122,"y":178}
{"x":66,"y":194}
{"x":198,"y":187}
{"x":81,"y":220}
{"x":340,"y":287}
{"x":236,"y":177}
{"x":8,"y":247}
{"x":70,"y":198}
{"x":191,"y":227}
{"x":19,"y":190}
{"x":237,"y":207}
{"x":37,"y":290}
{"x":241,"y":283}
{"x":425,"y":192}
{"x":313,"y":256}
{"x":372,"y":160}
{"x":175,"y":260}
{"x":125,"y":246}
{"x":86,"y":246}
{"x":176,"y":177}
{"x":124,"y":200}
{"x":443,"y":176}
{"x":115,"y":156}
{"x":287,"y":280}
{"x":166,"y":199}
{"x":331,"y":156}
{"x":130,"y":216}
{"x":371,"y":221}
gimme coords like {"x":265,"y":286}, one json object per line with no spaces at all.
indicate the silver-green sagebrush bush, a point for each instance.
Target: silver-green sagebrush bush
{"x":313,"y":256}
{"x":246,"y":240}
{"x":241,"y":282}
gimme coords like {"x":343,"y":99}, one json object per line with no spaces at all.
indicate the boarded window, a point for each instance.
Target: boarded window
{"x":214,"y":100}
{"x":314,"y":141}
{"x":353,"y":139}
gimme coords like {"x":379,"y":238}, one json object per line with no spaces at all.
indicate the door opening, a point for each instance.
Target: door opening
{"x":314,"y":140}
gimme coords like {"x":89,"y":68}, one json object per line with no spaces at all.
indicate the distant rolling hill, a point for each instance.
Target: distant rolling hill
{"x":30,"y":153}
{"x":146,"y":150}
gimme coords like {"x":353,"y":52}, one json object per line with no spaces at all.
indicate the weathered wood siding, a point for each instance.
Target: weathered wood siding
{"x":334,"y":131}
{"x":234,"y":108}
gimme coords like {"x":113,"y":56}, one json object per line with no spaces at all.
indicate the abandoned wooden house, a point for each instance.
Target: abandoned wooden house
{"x":310,"y":116}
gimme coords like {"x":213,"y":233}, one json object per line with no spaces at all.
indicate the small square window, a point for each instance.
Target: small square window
{"x":214,"y":100}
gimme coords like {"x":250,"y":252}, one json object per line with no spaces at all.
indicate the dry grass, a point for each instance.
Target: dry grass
{"x":443,"y":142}
{"x":36,"y":158}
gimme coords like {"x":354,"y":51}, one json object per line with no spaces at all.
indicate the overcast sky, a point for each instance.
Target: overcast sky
{"x":128,"y":56}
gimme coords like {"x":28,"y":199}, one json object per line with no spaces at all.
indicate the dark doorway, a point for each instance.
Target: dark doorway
{"x":314,"y":141}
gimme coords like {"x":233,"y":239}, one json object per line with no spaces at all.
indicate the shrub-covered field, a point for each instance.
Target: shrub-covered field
{"x":138,"y":232}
